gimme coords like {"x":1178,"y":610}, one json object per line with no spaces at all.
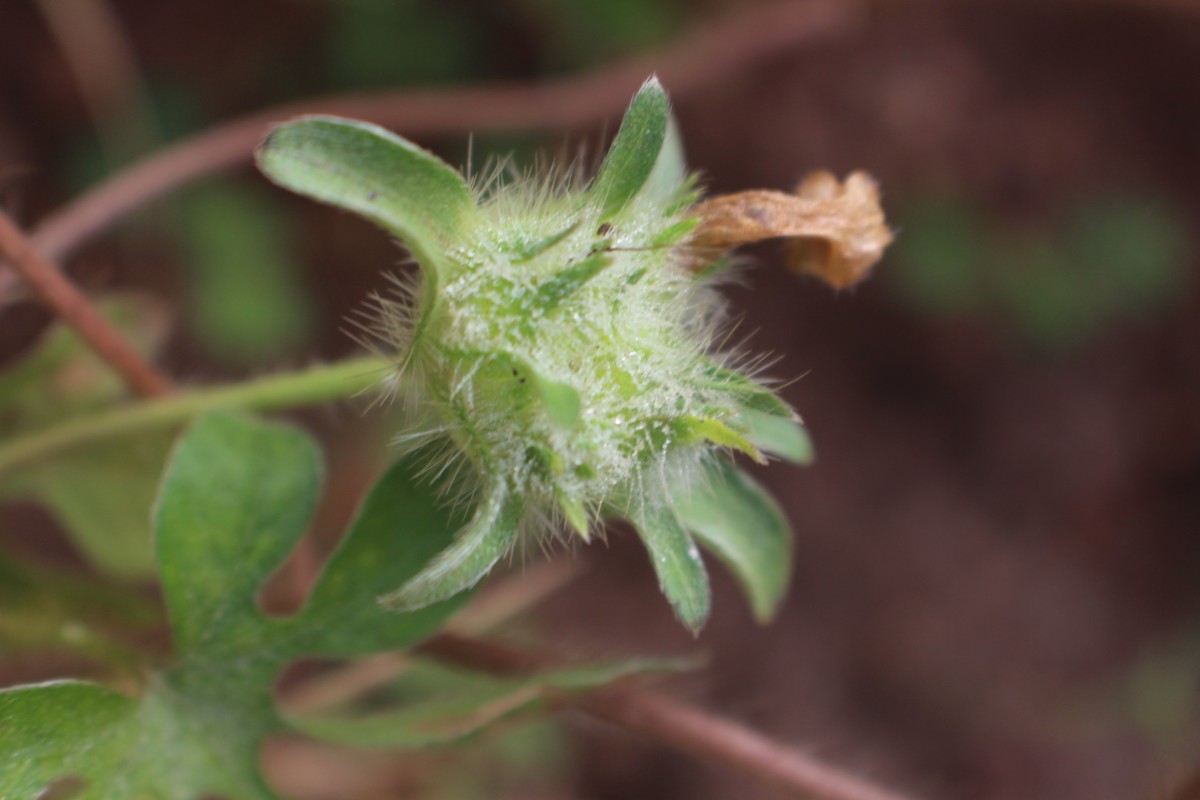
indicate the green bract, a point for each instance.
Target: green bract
{"x":560,"y":346}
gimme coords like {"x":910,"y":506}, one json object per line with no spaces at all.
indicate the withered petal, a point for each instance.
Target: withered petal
{"x":836,"y":230}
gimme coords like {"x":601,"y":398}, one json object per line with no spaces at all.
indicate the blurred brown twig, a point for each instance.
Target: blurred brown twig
{"x":74,"y":307}
{"x":701,"y":58}
{"x":104,"y":66}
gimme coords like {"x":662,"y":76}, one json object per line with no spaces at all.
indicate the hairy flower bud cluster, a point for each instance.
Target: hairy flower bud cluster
{"x":567,"y":351}
{"x":559,"y":345}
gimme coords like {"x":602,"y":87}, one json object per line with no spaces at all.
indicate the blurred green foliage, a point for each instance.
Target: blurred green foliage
{"x":48,"y":608}
{"x":1162,"y":690}
{"x":527,"y":761}
{"x":175,"y":111}
{"x":376,"y":43}
{"x":1108,"y":261}
{"x":246,"y":302}
{"x":587,"y":32}
{"x":98,"y":493}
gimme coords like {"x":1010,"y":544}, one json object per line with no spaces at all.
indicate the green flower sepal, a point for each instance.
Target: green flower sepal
{"x":558,"y":354}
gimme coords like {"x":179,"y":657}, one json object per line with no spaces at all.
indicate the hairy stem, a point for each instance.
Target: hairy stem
{"x":312,"y":385}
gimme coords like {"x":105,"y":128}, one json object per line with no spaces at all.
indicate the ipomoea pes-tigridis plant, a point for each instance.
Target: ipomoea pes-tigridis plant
{"x":560,"y":350}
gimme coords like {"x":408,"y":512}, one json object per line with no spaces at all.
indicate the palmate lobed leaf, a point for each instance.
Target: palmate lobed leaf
{"x":160,"y":745}
{"x":101,"y":738}
{"x":236,"y":498}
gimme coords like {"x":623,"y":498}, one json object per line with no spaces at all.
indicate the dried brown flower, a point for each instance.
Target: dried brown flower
{"x":836,"y":230}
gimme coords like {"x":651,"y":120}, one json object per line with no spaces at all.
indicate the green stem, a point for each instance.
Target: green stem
{"x":312,"y":385}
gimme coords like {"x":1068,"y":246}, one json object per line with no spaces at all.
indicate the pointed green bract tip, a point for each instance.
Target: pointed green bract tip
{"x":636,"y":150}
{"x":576,"y":516}
{"x":781,"y":436}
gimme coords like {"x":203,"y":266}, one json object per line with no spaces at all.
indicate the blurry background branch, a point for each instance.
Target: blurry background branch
{"x":103,"y":64}
{"x":707,"y":54}
{"x":74,"y":307}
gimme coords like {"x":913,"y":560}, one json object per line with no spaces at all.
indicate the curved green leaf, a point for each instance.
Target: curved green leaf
{"x":692,"y":430}
{"x":636,"y":151}
{"x":401,"y":526}
{"x":475,"y":550}
{"x":735,"y":518}
{"x":376,"y":174}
